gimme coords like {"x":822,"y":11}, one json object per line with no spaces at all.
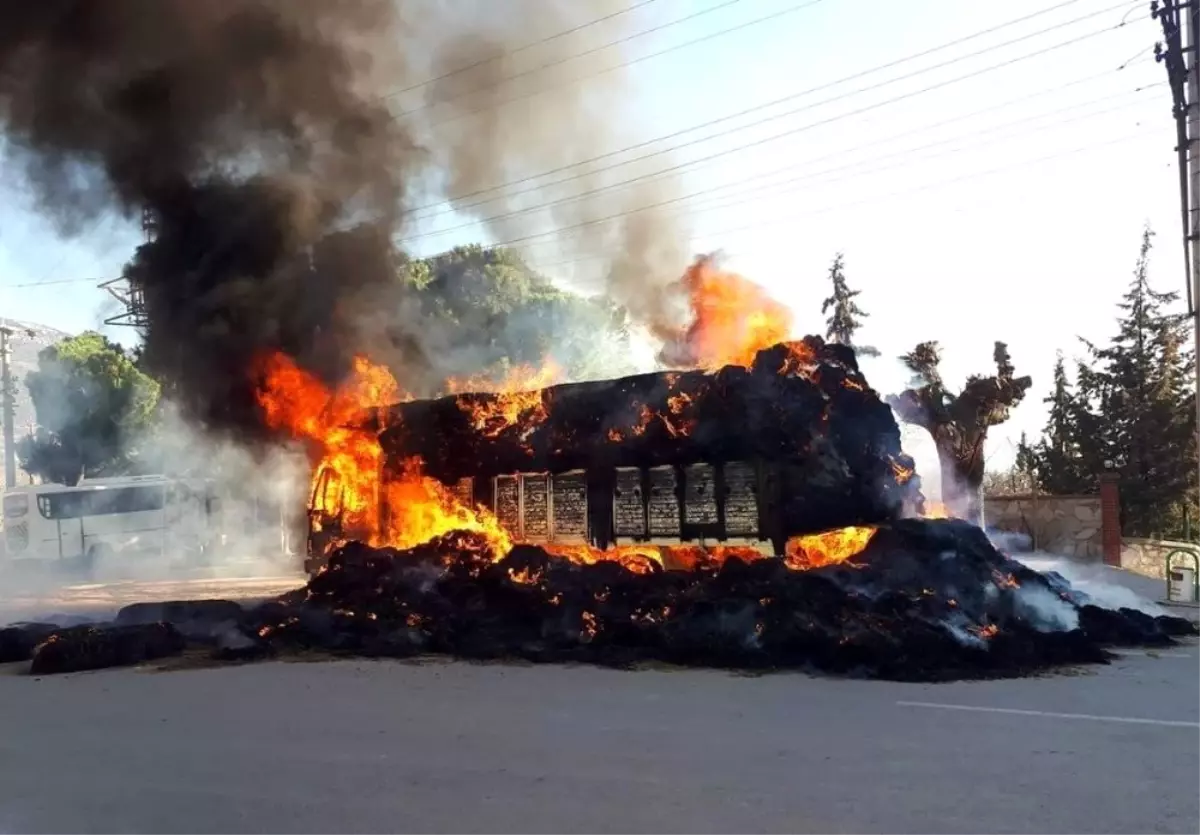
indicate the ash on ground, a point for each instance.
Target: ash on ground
{"x":926,"y":600}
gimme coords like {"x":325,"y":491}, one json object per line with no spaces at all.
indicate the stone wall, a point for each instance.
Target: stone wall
{"x":1067,"y":525}
{"x":1148,"y":557}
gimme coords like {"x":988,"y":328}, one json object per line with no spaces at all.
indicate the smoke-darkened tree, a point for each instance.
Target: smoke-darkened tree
{"x":959,"y":423}
{"x":90,"y":400}
{"x":844,"y":315}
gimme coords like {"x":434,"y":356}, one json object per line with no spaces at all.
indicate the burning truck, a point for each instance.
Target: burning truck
{"x":761,"y":458}
{"x":757,"y":514}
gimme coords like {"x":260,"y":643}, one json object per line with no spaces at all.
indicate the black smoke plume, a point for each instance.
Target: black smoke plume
{"x":272,"y":179}
{"x":264,"y":142}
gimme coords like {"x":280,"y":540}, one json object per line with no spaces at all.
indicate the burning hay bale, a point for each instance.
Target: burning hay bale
{"x":17,"y":642}
{"x":97,"y":647}
{"x":195,"y":619}
{"x":917,"y":600}
{"x":924,"y":600}
{"x":803,"y":405}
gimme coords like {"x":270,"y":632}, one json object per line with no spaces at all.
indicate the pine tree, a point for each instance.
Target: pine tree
{"x":1139,"y":421}
{"x":959,"y":423}
{"x":1025,"y":467}
{"x":846,"y":317}
{"x":1058,"y":456}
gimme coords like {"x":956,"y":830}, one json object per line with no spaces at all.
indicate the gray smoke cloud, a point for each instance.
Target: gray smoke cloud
{"x":265,"y":140}
{"x":483,"y":133}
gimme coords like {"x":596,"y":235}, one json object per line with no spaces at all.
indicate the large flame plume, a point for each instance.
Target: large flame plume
{"x":732,"y":319}
{"x":347,"y":481}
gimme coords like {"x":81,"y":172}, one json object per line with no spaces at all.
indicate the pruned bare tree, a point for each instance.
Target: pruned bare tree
{"x":959,"y":423}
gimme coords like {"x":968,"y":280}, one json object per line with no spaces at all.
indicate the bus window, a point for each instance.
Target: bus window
{"x":65,"y":505}
{"x":16,"y":506}
{"x":76,"y":503}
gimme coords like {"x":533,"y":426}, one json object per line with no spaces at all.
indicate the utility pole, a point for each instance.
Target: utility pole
{"x":10,"y":452}
{"x":1192,"y":62}
{"x":1180,"y":52}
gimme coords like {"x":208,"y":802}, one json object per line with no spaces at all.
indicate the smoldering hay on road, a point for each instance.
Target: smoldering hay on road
{"x":925,"y":600}
{"x":282,"y":147}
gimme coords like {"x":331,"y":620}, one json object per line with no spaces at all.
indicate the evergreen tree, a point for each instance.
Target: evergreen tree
{"x":1058,"y":456}
{"x":1145,"y":403}
{"x":1027,"y":464}
{"x":1019,"y":478}
{"x":846,"y":316}
{"x":959,"y":423}
{"x":1131,"y":413}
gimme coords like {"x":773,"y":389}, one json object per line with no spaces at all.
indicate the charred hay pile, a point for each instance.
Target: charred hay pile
{"x":926,"y":600}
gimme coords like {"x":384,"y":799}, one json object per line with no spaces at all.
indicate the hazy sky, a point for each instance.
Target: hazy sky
{"x":1005,"y":205}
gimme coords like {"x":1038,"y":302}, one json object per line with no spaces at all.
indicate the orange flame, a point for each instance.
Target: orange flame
{"x":800,"y":359}
{"x":519,"y":399}
{"x":903,"y":474}
{"x":828,"y":548}
{"x":936,"y":510}
{"x":674,"y":421}
{"x":640,"y":559}
{"x":347,"y":480}
{"x":732,"y":319}
{"x":987,"y":631}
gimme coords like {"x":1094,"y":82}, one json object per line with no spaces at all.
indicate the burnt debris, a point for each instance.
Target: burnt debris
{"x":926,"y":600}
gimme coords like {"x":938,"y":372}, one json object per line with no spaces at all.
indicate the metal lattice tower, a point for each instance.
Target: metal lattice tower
{"x":130,"y":296}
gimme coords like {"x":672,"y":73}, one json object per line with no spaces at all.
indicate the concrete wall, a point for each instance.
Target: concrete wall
{"x":1067,"y":525}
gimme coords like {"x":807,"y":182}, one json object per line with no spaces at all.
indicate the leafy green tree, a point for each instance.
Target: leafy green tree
{"x":845,"y":316}
{"x":91,"y":400}
{"x":959,"y":423}
{"x":488,"y":310}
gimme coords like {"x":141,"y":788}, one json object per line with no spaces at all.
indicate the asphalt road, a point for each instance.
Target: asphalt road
{"x":451,"y":746}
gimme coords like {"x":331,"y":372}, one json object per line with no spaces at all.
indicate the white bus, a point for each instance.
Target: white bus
{"x":111,"y":521}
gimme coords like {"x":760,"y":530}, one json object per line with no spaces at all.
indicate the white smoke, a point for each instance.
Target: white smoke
{"x":257,"y":520}
{"x":1103,"y":585}
{"x":247,"y":508}
{"x":1046,"y":610}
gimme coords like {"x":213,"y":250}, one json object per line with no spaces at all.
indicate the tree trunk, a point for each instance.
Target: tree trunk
{"x":960,"y":455}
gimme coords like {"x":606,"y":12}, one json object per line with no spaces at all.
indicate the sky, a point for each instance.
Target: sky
{"x":993,"y":189}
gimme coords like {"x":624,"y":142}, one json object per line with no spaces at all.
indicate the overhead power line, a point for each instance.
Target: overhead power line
{"x":511,"y":52}
{"x":989,"y":131}
{"x":792,"y":217}
{"x":49,"y":283}
{"x":746,"y":146}
{"x":1081,"y":149}
{"x":769,"y":192}
{"x":903,"y":158}
{"x":622,"y":65}
{"x":500,"y":82}
{"x":749,"y":111}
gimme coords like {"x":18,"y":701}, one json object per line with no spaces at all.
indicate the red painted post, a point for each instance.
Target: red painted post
{"x":1110,"y":518}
